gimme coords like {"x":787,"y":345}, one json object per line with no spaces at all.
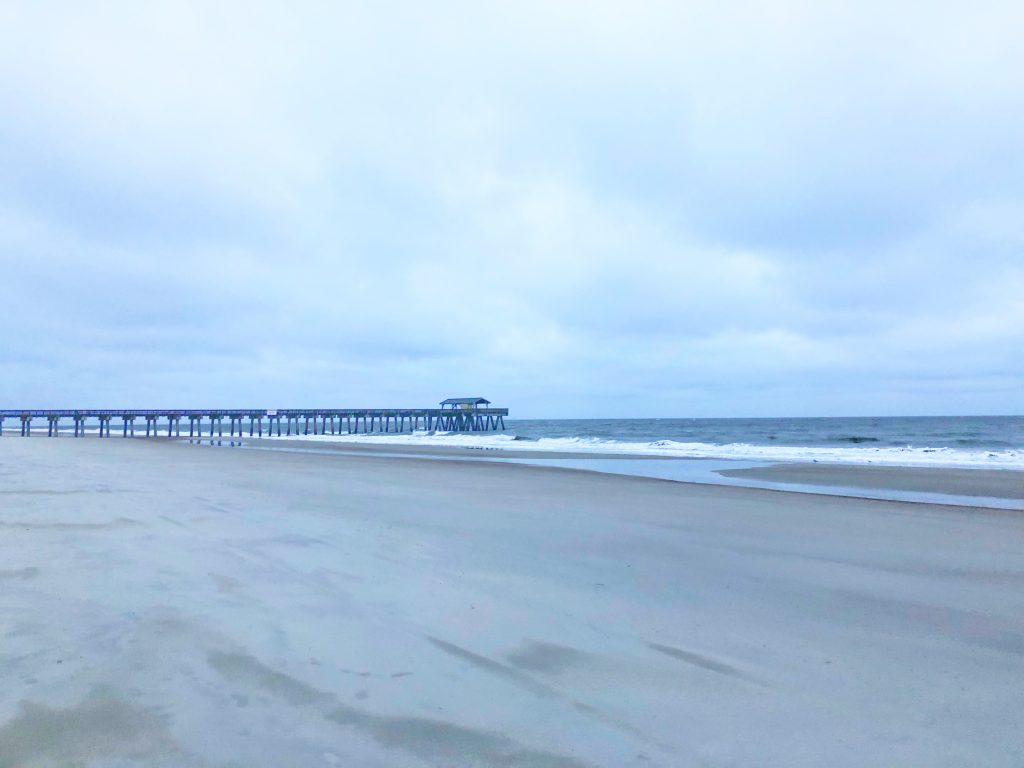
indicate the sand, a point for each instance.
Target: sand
{"x":165,"y":604}
{"x":992,"y":483}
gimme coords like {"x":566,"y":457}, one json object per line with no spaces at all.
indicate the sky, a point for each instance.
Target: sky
{"x":578,"y":209}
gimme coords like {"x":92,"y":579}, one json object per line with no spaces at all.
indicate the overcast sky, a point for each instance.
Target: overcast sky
{"x":571,"y":208}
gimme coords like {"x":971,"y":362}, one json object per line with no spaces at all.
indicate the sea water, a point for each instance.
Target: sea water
{"x":951,"y":441}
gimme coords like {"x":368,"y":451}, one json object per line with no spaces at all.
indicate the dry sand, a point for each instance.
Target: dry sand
{"x":165,"y":604}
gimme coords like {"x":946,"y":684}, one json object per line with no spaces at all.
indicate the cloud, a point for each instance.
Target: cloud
{"x":581,"y":209}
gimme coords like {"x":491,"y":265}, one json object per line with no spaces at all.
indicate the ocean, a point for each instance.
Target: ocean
{"x":962,"y":433}
{"x":955,"y":441}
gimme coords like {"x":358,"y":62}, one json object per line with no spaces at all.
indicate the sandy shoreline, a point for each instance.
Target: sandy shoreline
{"x":995,"y":483}
{"x":1007,"y":484}
{"x":169,"y":604}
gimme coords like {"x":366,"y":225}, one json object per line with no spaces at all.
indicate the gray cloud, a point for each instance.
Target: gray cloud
{"x":588,"y":209}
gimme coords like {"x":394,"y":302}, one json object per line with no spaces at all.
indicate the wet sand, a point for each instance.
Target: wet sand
{"x":406,"y":449}
{"x":992,"y":483}
{"x":167,"y":604}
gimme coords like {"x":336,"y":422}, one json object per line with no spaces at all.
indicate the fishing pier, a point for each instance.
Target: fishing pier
{"x":457,"y":414}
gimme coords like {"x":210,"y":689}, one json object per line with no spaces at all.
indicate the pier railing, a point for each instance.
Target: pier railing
{"x":286,"y":421}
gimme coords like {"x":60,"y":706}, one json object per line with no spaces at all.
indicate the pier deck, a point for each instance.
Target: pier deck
{"x":288,"y":421}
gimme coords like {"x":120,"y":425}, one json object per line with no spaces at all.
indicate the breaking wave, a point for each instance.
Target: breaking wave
{"x":854,"y":453}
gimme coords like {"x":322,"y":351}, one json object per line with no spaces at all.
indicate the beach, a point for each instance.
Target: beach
{"x":953,"y":481}
{"x":173,"y":604}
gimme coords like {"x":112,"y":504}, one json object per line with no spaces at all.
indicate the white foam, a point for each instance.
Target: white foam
{"x":908,"y":456}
